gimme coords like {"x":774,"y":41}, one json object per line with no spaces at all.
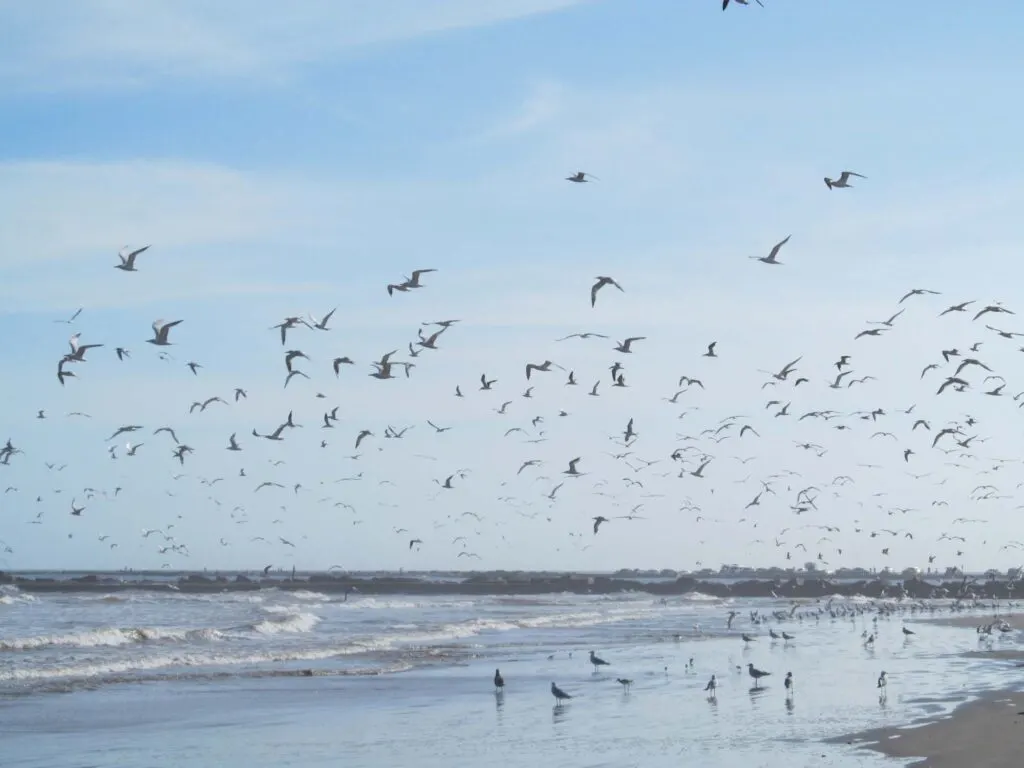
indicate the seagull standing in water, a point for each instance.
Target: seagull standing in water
{"x":499,"y":681}
{"x":757,"y":674}
{"x":711,"y":687}
{"x":597,"y":661}
{"x":559,"y":694}
{"x":789,"y":683}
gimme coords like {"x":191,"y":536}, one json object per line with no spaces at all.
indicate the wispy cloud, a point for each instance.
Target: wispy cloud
{"x":121,"y":43}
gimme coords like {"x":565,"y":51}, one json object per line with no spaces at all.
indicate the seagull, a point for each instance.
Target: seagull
{"x":712,"y":685}
{"x":128,"y":258}
{"x":601,"y":283}
{"x":843,"y":181}
{"x":160,"y":331}
{"x":598,"y":520}
{"x":725,"y":3}
{"x":321,"y":325}
{"x":711,"y":350}
{"x":499,"y":681}
{"x":771,"y":257}
{"x":624,"y":346}
{"x":545,"y":367}
{"x":624,"y":682}
{"x":789,"y":683}
{"x":597,"y":661}
{"x":917,"y":292}
{"x":581,"y":177}
{"x":559,"y":694}
{"x":71,"y":319}
{"x":756,"y":673}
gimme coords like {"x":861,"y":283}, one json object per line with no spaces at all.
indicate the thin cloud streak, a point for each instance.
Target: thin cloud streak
{"x":120,"y":44}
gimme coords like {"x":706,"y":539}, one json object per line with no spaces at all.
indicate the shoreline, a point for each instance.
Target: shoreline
{"x":986,"y":732}
{"x":525,"y":584}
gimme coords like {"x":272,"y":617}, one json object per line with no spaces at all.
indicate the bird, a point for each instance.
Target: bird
{"x":843,"y":181}
{"x":711,"y":350}
{"x":597,"y":661}
{"x":499,"y":681}
{"x":559,"y":694}
{"x":789,"y":683}
{"x":757,"y":674}
{"x":625,"y":346}
{"x":580,"y":177}
{"x":725,"y":3}
{"x":128,"y":258}
{"x":598,"y":520}
{"x":772,"y":257}
{"x":601,"y":283}
{"x":624,"y":682}
{"x":544,"y":367}
{"x":712,"y":685}
{"x":160,"y":331}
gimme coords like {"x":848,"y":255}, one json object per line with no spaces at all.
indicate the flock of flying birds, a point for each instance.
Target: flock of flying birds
{"x":570,"y":488}
{"x":535,"y":486}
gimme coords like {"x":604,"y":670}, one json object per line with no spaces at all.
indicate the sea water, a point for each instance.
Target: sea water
{"x":285,"y":678}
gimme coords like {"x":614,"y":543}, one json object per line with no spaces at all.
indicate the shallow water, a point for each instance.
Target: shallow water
{"x":182,"y":680}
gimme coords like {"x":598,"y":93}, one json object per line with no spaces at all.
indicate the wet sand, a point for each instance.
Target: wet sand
{"x":987,"y":733}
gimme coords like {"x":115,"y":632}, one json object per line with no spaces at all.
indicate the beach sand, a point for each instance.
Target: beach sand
{"x":987,"y":733}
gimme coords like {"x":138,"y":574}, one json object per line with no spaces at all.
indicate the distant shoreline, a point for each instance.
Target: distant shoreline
{"x":522,"y":584}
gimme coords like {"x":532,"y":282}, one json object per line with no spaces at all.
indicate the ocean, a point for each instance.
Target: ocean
{"x":280,"y":678}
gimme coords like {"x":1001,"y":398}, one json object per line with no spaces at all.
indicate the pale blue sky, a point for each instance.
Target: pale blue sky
{"x":285,"y":161}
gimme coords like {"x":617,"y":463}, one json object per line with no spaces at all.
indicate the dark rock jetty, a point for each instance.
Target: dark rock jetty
{"x":527,"y":584}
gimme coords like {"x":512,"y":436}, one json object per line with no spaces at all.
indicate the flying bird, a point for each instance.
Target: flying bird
{"x":128,"y":259}
{"x":843,"y":181}
{"x":772,"y":257}
{"x":601,"y":283}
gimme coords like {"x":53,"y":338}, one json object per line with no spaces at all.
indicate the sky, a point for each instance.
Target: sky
{"x":287,"y":161}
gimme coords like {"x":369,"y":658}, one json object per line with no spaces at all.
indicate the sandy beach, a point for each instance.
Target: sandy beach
{"x":987,"y":733}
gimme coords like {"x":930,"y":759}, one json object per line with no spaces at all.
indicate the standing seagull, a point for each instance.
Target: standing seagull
{"x":559,"y":694}
{"x":757,"y":674}
{"x":711,"y":687}
{"x":499,"y":681}
{"x":601,"y":283}
{"x":843,"y":181}
{"x":128,"y":258}
{"x":771,"y":257}
{"x":597,"y":661}
{"x":789,"y":683}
